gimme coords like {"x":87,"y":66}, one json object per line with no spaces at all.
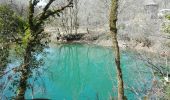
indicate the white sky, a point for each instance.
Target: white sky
{"x":42,"y":3}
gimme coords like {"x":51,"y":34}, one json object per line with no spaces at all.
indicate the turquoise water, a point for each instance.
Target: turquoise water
{"x":87,"y":72}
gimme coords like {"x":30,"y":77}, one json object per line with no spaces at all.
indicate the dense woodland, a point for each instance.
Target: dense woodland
{"x":29,"y":27}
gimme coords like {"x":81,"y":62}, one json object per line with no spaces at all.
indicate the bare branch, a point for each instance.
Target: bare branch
{"x":15,"y":69}
{"x":47,"y":6}
{"x":35,"y":2}
{"x":47,"y":13}
{"x":45,"y":9}
{"x":31,"y":12}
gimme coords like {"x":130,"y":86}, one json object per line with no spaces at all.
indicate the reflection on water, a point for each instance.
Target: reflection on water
{"x":86,"y":72}
{"x":82,"y":71}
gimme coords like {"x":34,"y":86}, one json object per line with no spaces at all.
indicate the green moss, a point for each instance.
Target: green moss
{"x":26,"y":38}
{"x":166,"y":25}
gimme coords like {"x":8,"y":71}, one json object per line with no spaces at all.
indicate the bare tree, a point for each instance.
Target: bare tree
{"x":69,"y":22}
{"x":75,"y":14}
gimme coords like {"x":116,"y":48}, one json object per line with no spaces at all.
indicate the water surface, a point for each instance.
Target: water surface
{"x":87,"y":72}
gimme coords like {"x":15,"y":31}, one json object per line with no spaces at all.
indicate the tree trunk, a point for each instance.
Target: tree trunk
{"x":24,"y":75}
{"x":113,"y":30}
{"x":71,"y":21}
{"x":22,"y":86}
{"x":76,"y":16}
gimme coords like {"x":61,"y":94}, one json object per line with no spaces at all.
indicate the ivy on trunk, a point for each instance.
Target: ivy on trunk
{"x":34,"y":41}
